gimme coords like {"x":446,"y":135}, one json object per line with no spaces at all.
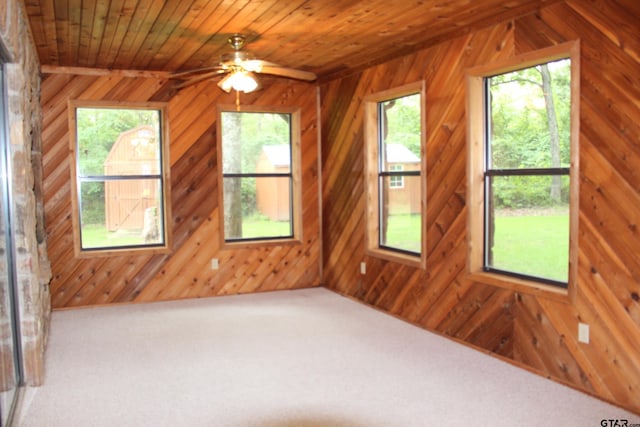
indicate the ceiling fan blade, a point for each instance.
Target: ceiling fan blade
{"x":240,"y":64}
{"x":180,"y":74}
{"x":199,"y":78}
{"x":255,"y":65}
{"x":276,"y":70}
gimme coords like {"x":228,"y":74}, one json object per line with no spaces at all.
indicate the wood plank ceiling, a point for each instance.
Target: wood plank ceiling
{"x":326,"y":37}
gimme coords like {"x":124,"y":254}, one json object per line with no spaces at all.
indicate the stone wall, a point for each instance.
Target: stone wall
{"x":24,"y":115}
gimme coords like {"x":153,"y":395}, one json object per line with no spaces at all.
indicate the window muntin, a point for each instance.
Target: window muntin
{"x":526,"y":177}
{"x":395,"y":175}
{"x":258,"y":174}
{"x":120,"y":170}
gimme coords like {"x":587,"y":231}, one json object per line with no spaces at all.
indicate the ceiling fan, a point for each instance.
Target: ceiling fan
{"x":239,"y":69}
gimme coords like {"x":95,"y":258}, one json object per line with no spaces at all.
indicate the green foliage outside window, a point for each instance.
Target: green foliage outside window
{"x":520,"y":133}
{"x":403,"y":123}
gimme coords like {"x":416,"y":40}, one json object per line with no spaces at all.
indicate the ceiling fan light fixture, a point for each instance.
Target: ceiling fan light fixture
{"x":239,"y":68}
{"x":240,"y":81}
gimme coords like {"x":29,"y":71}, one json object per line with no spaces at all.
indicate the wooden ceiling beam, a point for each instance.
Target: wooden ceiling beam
{"x":86,"y":71}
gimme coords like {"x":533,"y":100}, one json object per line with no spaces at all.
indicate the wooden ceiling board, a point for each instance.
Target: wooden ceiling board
{"x":194,"y":16}
{"x":202,"y":45}
{"x":314,"y":35}
{"x":144,"y":16}
{"x":261,"y":21}
{"x":167,"y":24}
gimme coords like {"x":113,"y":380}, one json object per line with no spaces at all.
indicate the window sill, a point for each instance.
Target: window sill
{"x":107,"y":252}
{"x":410,"y":260}
{"x":523,"y":286}
{"x":252,"y":244}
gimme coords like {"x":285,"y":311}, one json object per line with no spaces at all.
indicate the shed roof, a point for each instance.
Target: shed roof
{"x":126,"y":147}
{"x":278,"y":155}
{"x":398,"y":153}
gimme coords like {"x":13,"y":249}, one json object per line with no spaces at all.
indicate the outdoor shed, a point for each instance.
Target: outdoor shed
{"x":404,"y":192}
{"x":126,"y":200}
{"x":272,"y":193}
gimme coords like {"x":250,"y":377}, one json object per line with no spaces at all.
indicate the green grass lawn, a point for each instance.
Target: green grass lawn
{"x":260,"y":226}
{"x":97,"y":236}
{"x":403,"y":232}
{"x":532,"y":245}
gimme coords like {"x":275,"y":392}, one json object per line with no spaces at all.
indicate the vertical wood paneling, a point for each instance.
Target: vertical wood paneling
{"x":535,"y":332}
{"x":185,"y":272}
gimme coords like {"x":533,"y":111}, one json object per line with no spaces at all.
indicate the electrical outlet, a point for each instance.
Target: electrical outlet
{"x":215,"y":264}
{"x":583,"y":333}
{"x":363,"y":268}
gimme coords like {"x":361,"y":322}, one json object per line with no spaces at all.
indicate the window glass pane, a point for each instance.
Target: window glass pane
{"x":396,"y":182}
{"x":400,"y":132}
{"x":256,"y":142}
{"x":400,"y":215}
{"x":257,"y":207}
{"x":526,"y":233}
{"x":122,"y":212}
{"x":530,"y":117}
{"x":114,"y":142}
{"x":399,"y":149}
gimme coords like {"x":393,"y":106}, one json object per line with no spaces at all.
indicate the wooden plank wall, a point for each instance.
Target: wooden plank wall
{"x":185,"y":272}
{"x":534,"y":332}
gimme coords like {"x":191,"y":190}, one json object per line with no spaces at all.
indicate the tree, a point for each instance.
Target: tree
{"x":402,"y":122}
{"x":232,"y":163}
{"x":530,"y":123}
{"x":554,"y":138}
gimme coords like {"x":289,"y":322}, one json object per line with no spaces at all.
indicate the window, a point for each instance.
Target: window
{"x":260,"y":170}
{"x":396,"y":181}
{"x":523,"y":169}
{"x":395,"y":175}
{"x":120,"y":170}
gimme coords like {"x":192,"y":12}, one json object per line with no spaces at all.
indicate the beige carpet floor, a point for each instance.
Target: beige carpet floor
{"x":290,"y":358}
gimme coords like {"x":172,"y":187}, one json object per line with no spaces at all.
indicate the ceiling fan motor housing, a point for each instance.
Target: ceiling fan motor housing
{"x":237,"y":41}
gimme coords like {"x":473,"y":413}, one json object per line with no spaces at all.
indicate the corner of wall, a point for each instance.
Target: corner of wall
{"x":24,"y":122}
